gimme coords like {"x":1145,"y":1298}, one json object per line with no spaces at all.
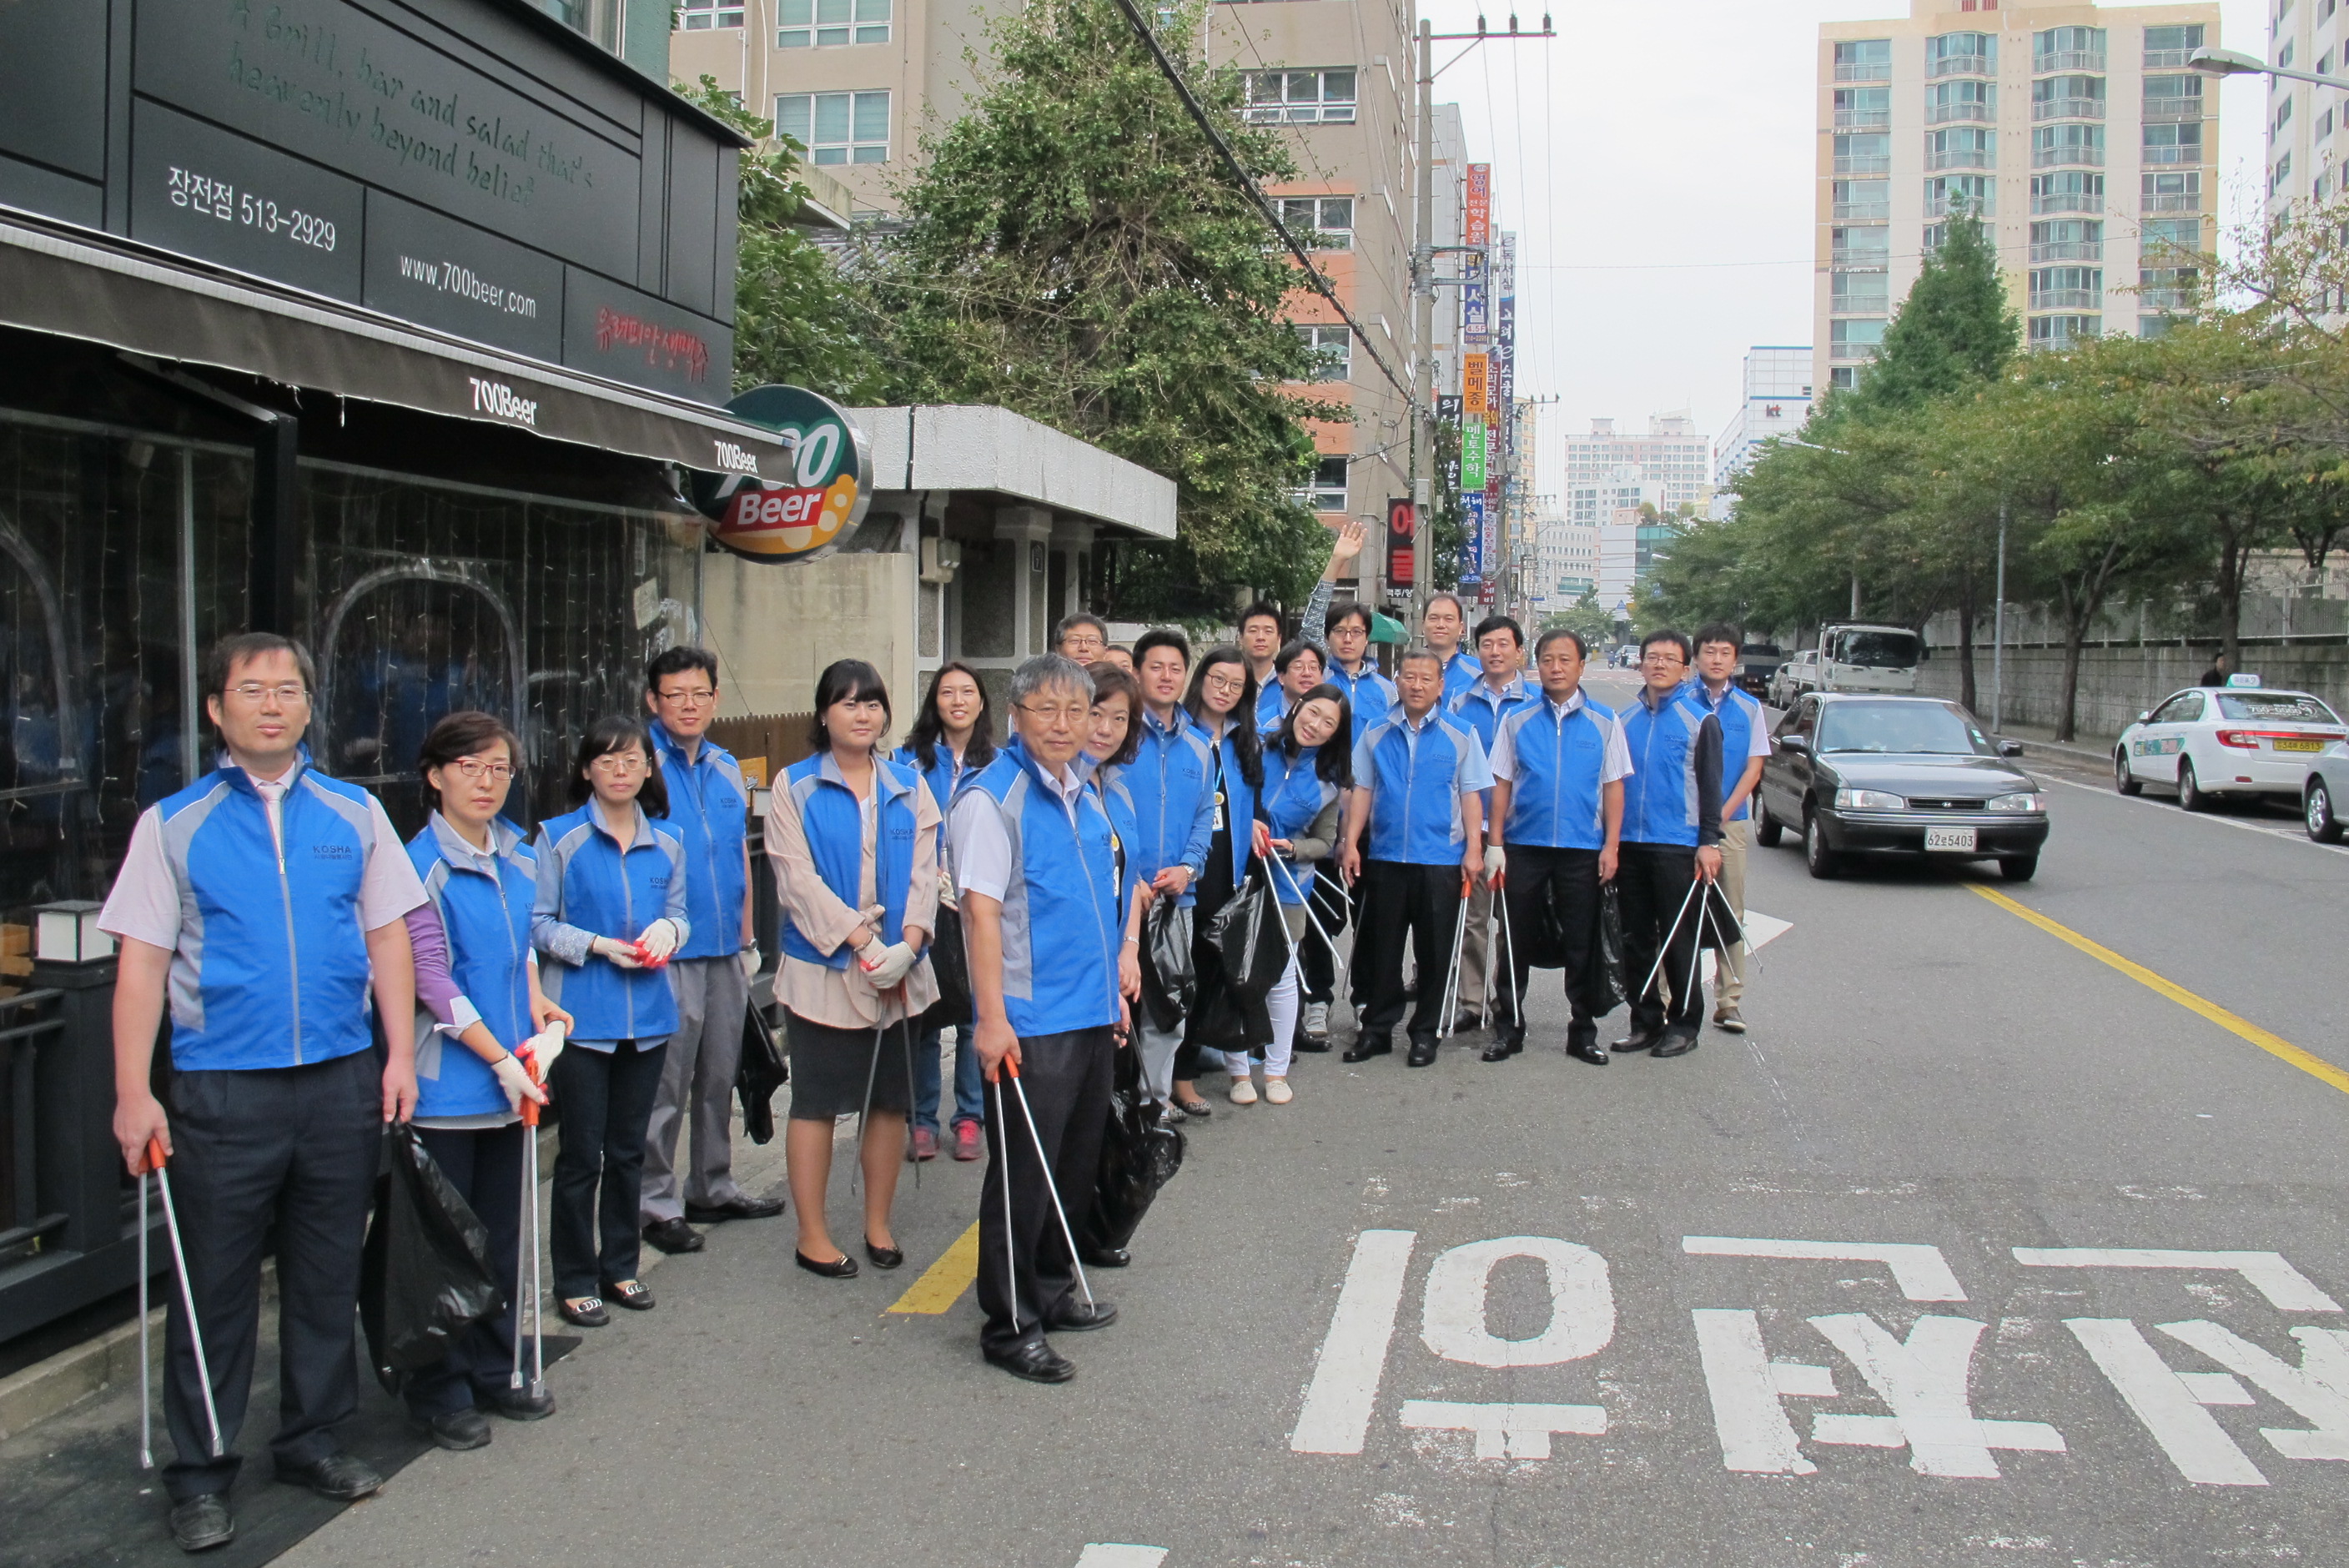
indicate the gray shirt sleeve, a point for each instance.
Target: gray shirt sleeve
{"x":570,"y":944}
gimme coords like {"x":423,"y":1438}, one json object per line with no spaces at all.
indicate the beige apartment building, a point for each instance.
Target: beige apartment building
{"x":2076,"y":131}
{"x":2306,"y":123}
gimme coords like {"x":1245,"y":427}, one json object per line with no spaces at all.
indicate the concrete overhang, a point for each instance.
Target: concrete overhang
{"x":958,"y":446}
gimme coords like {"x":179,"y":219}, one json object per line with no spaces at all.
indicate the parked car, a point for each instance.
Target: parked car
{"x":2325,"y":793}
{"x":1799,"y":673}
{"x":2240,"y":740}
{"x":1914,"y":777}
{"x":1757,"y":663}
{"x":1855,"y":657}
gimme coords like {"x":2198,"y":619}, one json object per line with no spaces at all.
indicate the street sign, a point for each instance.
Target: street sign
{"x":1401,"y":516}
{"x":802,"y":516}
{"x":1473,"y":439}
{"x":1475,"y":384}
{"x":1479,"y":224}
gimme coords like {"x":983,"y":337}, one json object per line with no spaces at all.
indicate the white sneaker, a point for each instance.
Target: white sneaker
{"x":1244,"y":1091}
{"x":1317,"y":1021}
{"x":1276,"y":1091}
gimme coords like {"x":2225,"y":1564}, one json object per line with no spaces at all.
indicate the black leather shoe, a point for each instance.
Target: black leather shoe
{"x":673,"y":1236}
{"x":337,"y":1478}
{"x":1468,"y":1018}
{"x":1369,"y":1046}
{"x":634,"y":1294}
{"x":1034,"y":1360}
{"x":1311,"y":1047}
{"x":1588,"y":1051}
{"x":1106,"y":1257}
{"x":1077,"y":1317}
{"x":517,"y":1404}
{"x":589,"y":1314}
{"x":735,"y":1208}
{"x":1675,"y":1043}
{"x":201,"y":1524}
{"x":1423,"y":1054}
{"x":842,"y":1267}
{"x":1498,"y":1051}
{"x":457,"y":1430}
{"x":1639,"y":1039}
{"x":883,"y":1257}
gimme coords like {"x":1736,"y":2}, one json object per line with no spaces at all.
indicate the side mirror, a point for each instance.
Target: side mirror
{"x":2009,"y":748}
{"x":1799,"y":745}
{"x":2145,"y":715}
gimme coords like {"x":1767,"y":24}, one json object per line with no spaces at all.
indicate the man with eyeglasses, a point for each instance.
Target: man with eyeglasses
{"x":1034,"y":861}
{"x":1744,"y":746}
{"x":1171,"y":783}
{"x":1672,"y":840}
{"x":1082,"y":637}
{"x":709,"y":805}
{"x":264,"y":901}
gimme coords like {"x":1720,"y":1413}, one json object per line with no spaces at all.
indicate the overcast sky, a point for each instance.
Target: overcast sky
{"x":1657,"y":162}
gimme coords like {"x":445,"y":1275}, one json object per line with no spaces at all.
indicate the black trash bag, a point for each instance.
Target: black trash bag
{"x":951,"y":965}
{"x":1169,"y":974}
{"x":1544,"y":934}
{"x":1608,"y":989}
{"x":425,"y":1275}
{"x":1138,"y":1157}
{"x":761,"y":1072}
{"x":1240,"y":961}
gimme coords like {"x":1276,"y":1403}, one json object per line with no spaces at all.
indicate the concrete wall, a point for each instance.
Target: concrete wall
{"x":2121,"y":681}
{"x":775,"y":628}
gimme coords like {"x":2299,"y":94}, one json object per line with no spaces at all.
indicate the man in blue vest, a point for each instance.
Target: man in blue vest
{"x":262,"y":900}
{"x":1419,"y":779}
{"x":1443,"y":624}
{"x":1170,"y":780}
{"x":1672,"y":839}
{"x":1498,"y":691}
{"x":1559,"y":767}
{"x":1034,"y":863}
{"x":709,"y":805}
{"x":1744,"y":746}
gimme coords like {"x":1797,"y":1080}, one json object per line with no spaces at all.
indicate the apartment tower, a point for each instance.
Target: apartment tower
{"x":2076,"y":131}
{"x":2305,"y":122}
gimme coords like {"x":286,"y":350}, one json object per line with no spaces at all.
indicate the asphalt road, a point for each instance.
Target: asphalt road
{"x":1762,"y":1304}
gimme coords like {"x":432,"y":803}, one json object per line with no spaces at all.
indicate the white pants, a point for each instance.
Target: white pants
{"x":1282,"y":1004}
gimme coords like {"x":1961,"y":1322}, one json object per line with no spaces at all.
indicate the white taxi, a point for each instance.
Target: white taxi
{"x":2239,"y":739}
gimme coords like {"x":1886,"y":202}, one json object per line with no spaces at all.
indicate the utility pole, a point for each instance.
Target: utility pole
{"x":1998,"y":630}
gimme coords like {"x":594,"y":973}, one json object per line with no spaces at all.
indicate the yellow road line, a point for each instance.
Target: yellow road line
{"x":2235,"y":1024}
{"x":943,"y":1283}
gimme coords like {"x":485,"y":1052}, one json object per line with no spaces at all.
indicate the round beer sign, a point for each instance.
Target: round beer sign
{"x":800,"y":514}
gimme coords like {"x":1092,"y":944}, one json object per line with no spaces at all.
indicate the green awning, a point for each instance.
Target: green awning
{"x":1387,"y":629}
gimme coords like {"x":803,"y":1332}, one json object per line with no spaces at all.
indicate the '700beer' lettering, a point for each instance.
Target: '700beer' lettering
{"x":495,"y":397}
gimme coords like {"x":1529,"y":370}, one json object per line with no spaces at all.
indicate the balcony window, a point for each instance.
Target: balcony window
{"x":1331,"y":216}
{"x":2175,"y":141}
{"x":1864,"y":60}
{"x":1855,"y":339}
{"x":2068,"y":240}
{"x":2161,"y":239}
{"x":1947,"y":101}
{"x":2171,"y":193}
{"x":1860,"y":293}
{"x":1302,"y":98}
{"x":1948,"y":194}
{"x":1327,"y":490}
{"x":2284,"y":59}
{"x":1842,"y":378}
{"x":701,"y":16}
{"x":2067,"y":191}
{"x":2053,"y":146}
{"x":1962,"y":54}
{"x":2171,"y":47}
{"x":2067,"y":97}
{"x":2167,"y":288}
{"x":2279,"y":174}
{"x":1863,"y":109}
{"x":2067,"y":288}
{"x":1863,"y":152}
{"x":2173,"y":98}
{"x":2282,"y":117}
{"x":2067,"y":50}
{"x":829,"y":23}
{"x":836,"y":127}
{"x":1333,"y":346}
{"x":1965,"y":146}
{"x":1862,"y":247}
{"x":1862,"y":200}
{"x":2063,"y":331}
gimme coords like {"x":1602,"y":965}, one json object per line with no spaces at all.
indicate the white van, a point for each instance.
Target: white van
{"x":1855,"y":658}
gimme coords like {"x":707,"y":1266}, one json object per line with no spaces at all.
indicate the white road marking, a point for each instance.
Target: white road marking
{"x":2307,"y":1388}
{"x":1761,"y":930}
{"x":1339,"y":1402}
{"x":1925,"y":1379}
{"x":2289,"y":835}
{"x":1746,"y":1386}
{"x":2286,"y":1288}
{"x":1506,"y":1431}
{"x":1581,"y":1299}
{"x":1108,"y":1554}
{"x":2170,"y":1406}
{"x":1920,"y":1270}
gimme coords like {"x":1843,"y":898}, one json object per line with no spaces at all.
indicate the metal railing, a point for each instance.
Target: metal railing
{"x":2172,"y":155}
{"x":1865,"y":71}
{"x":28,"y":1023}
{"x":2069,"y":202}
{"x":1854,"y":350}
{"x":2170,"y":110}
{"x":2068,"y":60}
{"x":2068,"y":299}
{"x":1862,"y":301}
{"x":1943,"y":206}
{"x":1844,"y":257}
{"x":1955,"y":113}
{"x":2168,"y":60}
{"x":1959,"y":66}
{"x":2068,"y":108}
{"x":1863,"y":119}
{"x":2188,"y":201}
{"x":2069,"y":251}
{"x":1965,"y":158}
{"x":2059,"y":157}
{"x":2164,"y":299}
{"x":1862,"y":212}
{"x":1864,"y":164}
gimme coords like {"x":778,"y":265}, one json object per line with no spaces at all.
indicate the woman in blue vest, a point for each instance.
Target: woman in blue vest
{"x":1308,"y":768}
{"x":479,"y":1004}
{"x":1115,"y":737}
{"x":1222,"y":700}
{"x":610,"y":911}
{"x":854,"y":842}
{"x":953,"y":736}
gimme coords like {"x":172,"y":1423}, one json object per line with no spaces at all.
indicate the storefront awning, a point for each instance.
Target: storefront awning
{"x":58,"y":279}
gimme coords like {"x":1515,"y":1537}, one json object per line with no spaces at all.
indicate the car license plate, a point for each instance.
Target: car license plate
{"x":2300,"y":745}
{"x":1961,"y":840}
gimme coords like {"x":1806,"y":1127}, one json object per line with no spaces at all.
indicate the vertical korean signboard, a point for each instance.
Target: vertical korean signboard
{"x":1475,"y":386}
{"x":1478,"y":225}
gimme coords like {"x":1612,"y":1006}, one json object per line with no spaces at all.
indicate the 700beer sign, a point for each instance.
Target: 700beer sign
{"x":803,"y":514}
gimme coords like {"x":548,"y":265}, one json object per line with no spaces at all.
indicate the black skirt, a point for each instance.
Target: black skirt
{"x":830,"y":1069}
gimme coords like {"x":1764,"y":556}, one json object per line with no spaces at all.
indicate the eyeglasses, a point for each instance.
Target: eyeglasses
{"x":619,"y":764}
{"x":1663,"y":659}
{"x":694,"y":698}
{"x":474,"y":769}
{"x":1075,"y":713}
{"x":1085,"y":640}
{"x":1230,"y":685}
{"x":293,"y":694}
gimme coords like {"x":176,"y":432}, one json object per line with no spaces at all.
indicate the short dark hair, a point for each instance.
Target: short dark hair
{"x":1262,"y":607}
{"x":461,"y":734}
{"x":1108,"y":681}
{"x":1498,"y":624}
{"x":1081,"y":618}
{"x":1719,"y":631}
{"x":1676,"y":639}
{"x":1294,"y":651}
{"x":1418,"y":651}
{"x":618,"y":732}
{"x":241,"y":647}
{"x":1541,"y":645}
{"x":1161,"y":637}
{"x":1352,"y":610}
{"x":1334,"y":763}
{"x":847,"y":680}
{"x":675,"y":662}
{"x":1459,"y":605}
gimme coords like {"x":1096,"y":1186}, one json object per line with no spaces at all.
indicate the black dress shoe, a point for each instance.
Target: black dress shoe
{"x":202,"y":1523}
{"x":1423,"y":1054}
{"x":1468,"y":1018}
{"x":1639,"y":1039}
{"x":674,"y":1236}
{"x":1675,"y":1043}
{"x":842,"y":1267}
{"x":1588,"y":1051}
{"x":517,"y":1404}
{"x":1106,"y":1257}
{"x":1034,"y":1360}
{"x":456,"y":1431}
{"x":634,"y":1294}
{"x":589,"y":1314}
{"x":338,"y":1478}
{"x":1498,"y":1051}
{"x":883,"y":1257}
{"x":1077,"y":1317}
{"x":1311,"y":1047}
{"x":735,"y":1208}
{"x":1369,"y":1046}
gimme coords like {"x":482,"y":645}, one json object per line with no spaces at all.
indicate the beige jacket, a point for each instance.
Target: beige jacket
{"x":842,"y":998}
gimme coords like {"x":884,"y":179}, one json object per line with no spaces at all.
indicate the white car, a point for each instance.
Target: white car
{"x":2214,"y":741}
{"x":1791,"y":679}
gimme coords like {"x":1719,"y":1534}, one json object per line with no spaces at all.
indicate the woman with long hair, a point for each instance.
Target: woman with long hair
{"x":1109,"y":746}
{"x":953,"y":736}
{"x":610,"y":910}
{"x":853,"y":838}
{"x":1222,"y":699}
{"x":1308,"y":768}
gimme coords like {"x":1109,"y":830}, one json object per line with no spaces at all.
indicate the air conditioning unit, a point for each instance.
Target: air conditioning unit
{"x":940,"y":557}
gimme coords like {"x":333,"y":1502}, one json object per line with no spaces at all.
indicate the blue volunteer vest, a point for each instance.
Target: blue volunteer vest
{"x":1061,"y":931}
{"x":834,"y":824}
{"x":1173,"y":809}
{"x":1660,"y":799}
{"x":1739,"y":716}
{"x":1415,"y":790}
{"x":1294,"y":794}
{"x":710,"y":806}
{"x":487,"y":920}
{"x":1556,"y":800}
{"x":586,"y":881}
{"x":1368,"y":695}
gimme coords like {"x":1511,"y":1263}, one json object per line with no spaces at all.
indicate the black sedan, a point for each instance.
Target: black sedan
{"x":1906,"y":776}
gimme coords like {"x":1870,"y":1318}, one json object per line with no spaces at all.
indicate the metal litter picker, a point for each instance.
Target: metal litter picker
{"x":154,"y":1167}
{"x":528,"y":1261}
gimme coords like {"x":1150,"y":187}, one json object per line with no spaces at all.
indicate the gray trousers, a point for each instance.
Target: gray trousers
{"x":711,"y":999}
{"x":1158,"y":1048}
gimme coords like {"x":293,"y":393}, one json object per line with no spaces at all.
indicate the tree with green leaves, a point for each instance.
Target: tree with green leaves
{"x":1955,"y":328}
{"x":1585,"y":616}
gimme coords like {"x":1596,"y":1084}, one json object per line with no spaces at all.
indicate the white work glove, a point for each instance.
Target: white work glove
{"x":515,"y":1078}
{"x":543,"y":1048}
{"x":749,"y":960}
{"x":658,"y":941}
{"x":888,"y":966}
{"x":1496,"y":864}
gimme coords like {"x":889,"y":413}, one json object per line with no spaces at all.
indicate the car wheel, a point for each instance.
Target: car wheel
{"x":2316,"y":812}
{"x":2190,"y":793}
{"x":1767,"y":829}
{"x":2124,"y":780}
{"x":1820,"y":861}
{"x":2018,"y":868}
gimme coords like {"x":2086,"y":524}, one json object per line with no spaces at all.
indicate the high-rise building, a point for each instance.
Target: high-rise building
{"x":2077,"y":132}
{"x":1673,"y":454}
{"x":2304,"y":121}
{"x":1778,"y":400}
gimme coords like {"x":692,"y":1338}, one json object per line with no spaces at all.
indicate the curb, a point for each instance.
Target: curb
{"x":77,"y":1373}
{"x":2068,"y":752}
